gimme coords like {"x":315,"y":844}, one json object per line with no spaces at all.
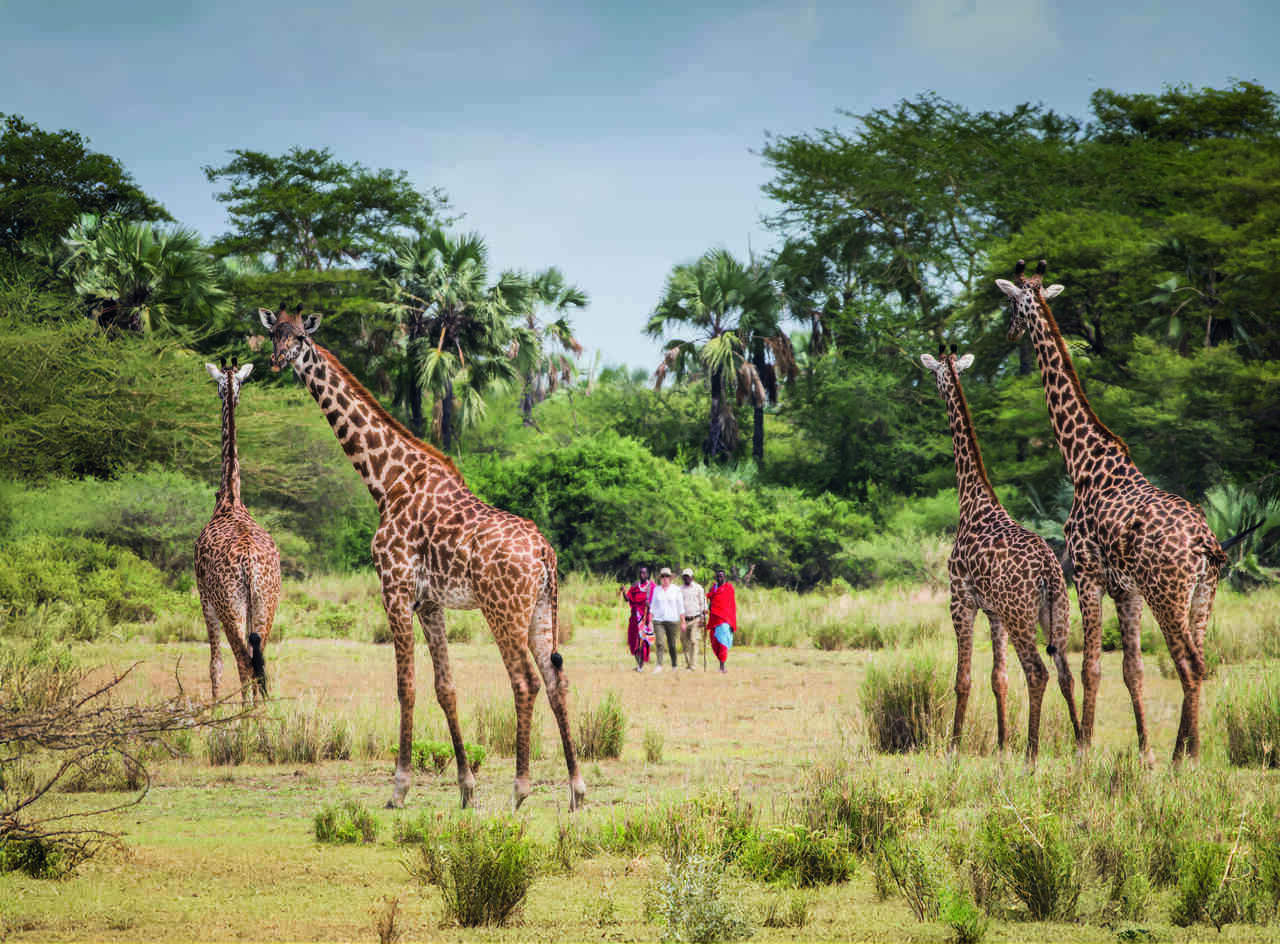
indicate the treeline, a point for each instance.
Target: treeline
{"x":787,"y":430}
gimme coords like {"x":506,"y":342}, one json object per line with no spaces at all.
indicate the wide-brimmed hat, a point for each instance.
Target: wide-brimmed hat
{"x":687,"y":572}
{"x":665,"y":572}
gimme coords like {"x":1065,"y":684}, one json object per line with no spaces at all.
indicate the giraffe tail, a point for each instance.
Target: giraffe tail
{"x":1058,"y":624}
{"x":553,"y":590}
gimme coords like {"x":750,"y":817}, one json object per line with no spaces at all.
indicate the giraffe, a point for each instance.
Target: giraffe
{"x":999,"y":567}
{"x":438,"y":546}
{"x":1126,"y":537}
{"x":237,"y":563}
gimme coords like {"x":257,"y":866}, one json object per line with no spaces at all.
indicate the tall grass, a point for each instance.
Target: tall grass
{"x":1247,"y":715}
{"x":904,"y":699}
{"x":483,"y":870}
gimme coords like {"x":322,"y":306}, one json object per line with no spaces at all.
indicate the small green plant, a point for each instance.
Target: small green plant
{"x":432,"y":756}
{"x":346,"y":822}
{"x":653,"y":745}
{"x":967,"y":921}
{"x":794,"y":914}
{"x":483,"y":870}
{"x":475,"y":756}
{"x":38,"y":857}
{"x":690,"y":906}
{"x":912,"y":871}
{"x":1207,"y":893}
{"x":600,"y":732}
{"x":1030,"y":857}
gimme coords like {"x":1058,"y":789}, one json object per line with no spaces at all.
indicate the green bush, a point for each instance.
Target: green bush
{"x":434,"y":756}
{"x":868,"y":811}
{"x":601,"y":731}
{"x":1029,"y":856}
{"x":904,"y":700}
{"x":799,"y":856}
{"x":913,"y":872}
{"x":967,"y":921}
{"x":691,"y":907}
{"x":346,"y":822}
{"x":39,"y":858}
{"x":483,"y":870}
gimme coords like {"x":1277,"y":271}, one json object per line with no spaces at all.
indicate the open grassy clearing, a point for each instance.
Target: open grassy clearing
{"x":229,"y":852}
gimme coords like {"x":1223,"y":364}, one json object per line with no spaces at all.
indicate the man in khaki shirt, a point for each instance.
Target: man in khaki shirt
{"x":695,"y":616}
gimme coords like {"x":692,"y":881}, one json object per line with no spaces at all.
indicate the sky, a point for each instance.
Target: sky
{"x":611,"y":140}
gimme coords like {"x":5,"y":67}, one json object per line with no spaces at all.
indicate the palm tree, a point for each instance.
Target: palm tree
{"x":459,"y":337}
{"x":142,"y":277}
{"x":732,"y":311}
{"x":551,"y":360}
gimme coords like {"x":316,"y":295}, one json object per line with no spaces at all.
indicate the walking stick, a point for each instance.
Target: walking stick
{"x":705,"y":639}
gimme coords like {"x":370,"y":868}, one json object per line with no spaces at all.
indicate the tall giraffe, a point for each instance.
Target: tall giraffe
{"x":1125,"y":536}
{"x":237,"y":563}
{"x":439,"y":546}
{"x":999,"y":567}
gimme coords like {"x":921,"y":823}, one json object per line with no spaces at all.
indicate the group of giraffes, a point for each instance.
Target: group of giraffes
{"x":1125,"y":537}
{"x":438,"y":546}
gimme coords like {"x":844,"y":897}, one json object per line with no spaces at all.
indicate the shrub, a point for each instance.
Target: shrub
{"x":903,"y":701}
{"x":798,"y":856}
{"x":1034,"y":862}
{"x":690,"y":906}
{"x":1248,"y":714}
{"x":912,"y":871}
{"x":967,"y":921}
{"x":434,"y":756}
{"x":601,"y":731}
{"x":1207,"y":892}
{"x":653,"y":745}
{"x":346,"y":822}
{"x":483,"y":870}
{"x":868,"y":812}
{"x":37,"y":857}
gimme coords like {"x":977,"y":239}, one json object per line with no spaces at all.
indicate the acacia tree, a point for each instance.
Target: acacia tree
{"x":460,"y":332}
{"x":304,"y":209}
{"x":732,"y":313}
{"x":48,"y":179}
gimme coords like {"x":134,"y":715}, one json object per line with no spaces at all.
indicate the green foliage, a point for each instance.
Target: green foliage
{"x":494,"y":722}
{"x":968,"y":922}
{"x":47,"y":179}
{"x":1033,"y":860}
{"x":691,"y":907}
{"x":795,"y":914}
{"x":1206,"y":893}
{"x":903,"y":701}
{"x":799,"y":856}
{"x":39,"y":858}
{"x":1247,"y":716}
{"x":346,"y":822}
{"x":912,"y":870}
{"x":483,"y":870}
{"x":78,"y":587}
{"x":600,"y":732}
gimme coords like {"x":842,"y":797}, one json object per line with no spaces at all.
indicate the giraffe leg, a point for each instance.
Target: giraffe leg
{"x":1089,"y":594}
{"x":1129,"y":611}
{"x":398,"y":602}
{"x":431,"y":615}
{"x":1201,"y":607}
{"x":214,"y":627}
{"x":999,"y":678}
{"x":233,"y":619}
{"x":1024,"y":644}
{"x":540,"y":643}
{"x":962,"y":615}
{"x":1178,"y":624}
{"x":1055,"y":620}
{"x":511,"y":633}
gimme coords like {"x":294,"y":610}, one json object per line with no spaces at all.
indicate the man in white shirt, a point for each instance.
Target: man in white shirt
{"x":667,"y":608}
{"x":695,"y":616}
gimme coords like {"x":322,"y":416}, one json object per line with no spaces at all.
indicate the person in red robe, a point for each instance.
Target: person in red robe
{"x":722,"y":621}
{"x":640,"y":624}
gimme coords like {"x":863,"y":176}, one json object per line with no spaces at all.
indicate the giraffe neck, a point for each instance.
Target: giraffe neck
{"x":972,"y":484}
{"x":378,"y":446}
{"x":229,"y":486}
{"x":1085,"y":442}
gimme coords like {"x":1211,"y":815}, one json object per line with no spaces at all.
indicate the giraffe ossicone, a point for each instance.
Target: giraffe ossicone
{"x":438,"y":546}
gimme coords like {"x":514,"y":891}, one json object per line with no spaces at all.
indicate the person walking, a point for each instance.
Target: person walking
{"x":723,"y":617}
{"x":668,"y":617}
{"x":639,"y":596}
{"x":695,"y":617}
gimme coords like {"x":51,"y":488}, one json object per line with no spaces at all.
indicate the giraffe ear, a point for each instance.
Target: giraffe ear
{"x":964,"y":363}
{"x":268,"y":318}
{"x":214,"y":372}
{"x":1007,"y":287}
{"x":310,"y":323}
{"x":929,"y":361}
{"x":244,"y":372}
{"x":1052,"y":290}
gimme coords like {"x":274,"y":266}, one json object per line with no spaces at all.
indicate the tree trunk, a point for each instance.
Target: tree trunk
{"x":715,"y":434}
{"x":446,"y":417}
{"x":416,"y":424}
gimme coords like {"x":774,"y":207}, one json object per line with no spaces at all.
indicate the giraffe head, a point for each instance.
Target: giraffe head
{"x":289,"y":334}
{"x":229,"y":378}
{"x":1026,"y":296}
{"x":940,"y":365}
